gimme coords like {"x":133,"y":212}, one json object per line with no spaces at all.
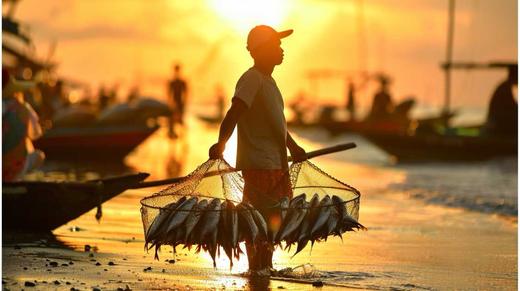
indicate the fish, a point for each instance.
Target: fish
{"x":304,"y":234}
{"x":194,"y":217}
{"x":259,"y":220}
{"x":290,"y":215}
{"x":323,"y":215}
{"x":293,"y":236}
{"x":232,"y":223}
{"x":224,"y":232}
{"x":349,"y":223}
{"x":178,"y":216}
{"x":247,"y":224}
{"x":294,"y":218}
{"x":160,"y":219}
{"x":333,"y":221}
{"x":339,"y":204}
{"x":210,"y":220}
{"x":284,"y":205}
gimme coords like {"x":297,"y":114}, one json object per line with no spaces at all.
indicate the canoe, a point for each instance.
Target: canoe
{"x":44,"y":206}
{"x":110,"y":142}
{"x":210,"y":120}
{"x":437,"y":147}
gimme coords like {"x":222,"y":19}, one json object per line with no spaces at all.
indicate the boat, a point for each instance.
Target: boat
{"x":108,"y":142}
{"x":211,"y":120}
{"x":44,"y":206}
{"x":442,"y":147}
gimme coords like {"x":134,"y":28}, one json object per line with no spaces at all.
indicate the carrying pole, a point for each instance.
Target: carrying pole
{"x":313,"y":154}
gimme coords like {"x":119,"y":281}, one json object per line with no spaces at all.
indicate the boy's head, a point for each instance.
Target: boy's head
{"x":263,"y":43}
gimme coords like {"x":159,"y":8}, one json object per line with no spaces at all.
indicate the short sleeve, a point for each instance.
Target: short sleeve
{"x":248,"y":86}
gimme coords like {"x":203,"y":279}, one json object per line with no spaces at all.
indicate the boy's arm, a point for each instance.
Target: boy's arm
{"x":226,"y":128}
{"x":298,"y":153}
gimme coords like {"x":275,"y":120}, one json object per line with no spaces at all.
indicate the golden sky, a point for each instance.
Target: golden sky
{"x":136,"y":42}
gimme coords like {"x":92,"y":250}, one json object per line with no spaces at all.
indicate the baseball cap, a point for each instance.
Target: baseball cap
{"x":263,"y":33}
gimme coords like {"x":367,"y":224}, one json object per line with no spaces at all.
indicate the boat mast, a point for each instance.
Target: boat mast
{"x":449,"y":55}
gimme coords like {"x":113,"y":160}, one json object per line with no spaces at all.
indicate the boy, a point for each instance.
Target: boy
{"x":257,"y":109}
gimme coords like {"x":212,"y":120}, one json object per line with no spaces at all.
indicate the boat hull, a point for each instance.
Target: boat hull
{"x":44,"y":206}
{"x":432,"y":147}
{"x":92,"y":143}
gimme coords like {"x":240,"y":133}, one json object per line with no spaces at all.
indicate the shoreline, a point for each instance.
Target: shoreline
{"x":409,"y":245}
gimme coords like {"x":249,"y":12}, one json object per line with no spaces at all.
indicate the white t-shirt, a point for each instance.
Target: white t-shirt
{"x":262,"y":129}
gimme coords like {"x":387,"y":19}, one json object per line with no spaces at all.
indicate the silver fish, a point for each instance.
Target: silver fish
{"x":349,"y":223}
{"x":294,"y":235}
{"x":323,"y":216}
{"x":305,"y":231}
{"x":259,"y":220}
{"x":294,"y":218}
{"x":233,"y":223}
{"x":194,"y":217}
{"x":224,"y":232}
{"x":332,"y":222}
{"x":284,"y":204}
{"x":160,"y":219}
{"x":304,"y":234}
{"x":247,"y":223}
{"x":314,"y":211}
{"x":178,"y":216}
{"x":339,"y":204}
{"x":210,"y":220}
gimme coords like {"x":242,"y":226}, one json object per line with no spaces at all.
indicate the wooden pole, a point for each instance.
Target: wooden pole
{"x":449,"y":56}
{"x":313,"y":154}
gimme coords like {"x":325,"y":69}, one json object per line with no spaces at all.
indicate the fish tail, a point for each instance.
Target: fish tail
{"x":157,"y":249}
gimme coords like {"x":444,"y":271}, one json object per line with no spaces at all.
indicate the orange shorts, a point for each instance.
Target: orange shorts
{"x":263,"y":188}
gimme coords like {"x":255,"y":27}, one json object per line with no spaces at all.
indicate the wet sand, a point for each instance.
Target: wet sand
{"x":410,"y":245}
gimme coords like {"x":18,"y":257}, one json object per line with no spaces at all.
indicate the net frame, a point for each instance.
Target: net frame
{"x":231,"y":183}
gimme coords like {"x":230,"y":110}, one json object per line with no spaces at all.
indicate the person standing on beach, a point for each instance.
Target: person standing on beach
{"x":177,"y":92}
{"x":502,"y":118}
{"x":382,"y":105}
{"x":257,"y":111}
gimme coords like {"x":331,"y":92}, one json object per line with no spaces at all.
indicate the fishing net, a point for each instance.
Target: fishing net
{"x":205,"y":209}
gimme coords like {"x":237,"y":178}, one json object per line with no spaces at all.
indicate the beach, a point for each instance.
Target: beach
{"x":413,"y":242}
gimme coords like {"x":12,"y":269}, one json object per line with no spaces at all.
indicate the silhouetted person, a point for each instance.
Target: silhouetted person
{"x":221,"y":103}
{"x":297,"y":108}
{"x":502,"y":118}
{"x":177,"y":91}
{"x":133,"y":94}
{"x":382,"y":105}
{"x":257,"y":110}
{"x":351,"y":102}
{"x":103,"y":98}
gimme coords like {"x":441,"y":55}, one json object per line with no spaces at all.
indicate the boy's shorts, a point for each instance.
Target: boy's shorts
{"x":263,"y":188}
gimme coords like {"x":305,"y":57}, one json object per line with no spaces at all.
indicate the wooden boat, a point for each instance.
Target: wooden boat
{"x":43,"y":206}
{"x":437,"y":147}
{"x":211,"y":120}
{"x":112,"y":142}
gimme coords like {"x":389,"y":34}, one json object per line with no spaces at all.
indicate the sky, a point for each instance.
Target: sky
{"x":137,"y":42}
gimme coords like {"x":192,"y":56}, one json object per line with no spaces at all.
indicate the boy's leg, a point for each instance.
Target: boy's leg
{"x":263,"y":188}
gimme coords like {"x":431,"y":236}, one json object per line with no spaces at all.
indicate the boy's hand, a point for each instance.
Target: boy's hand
{"x":216,"y":150}
{"x":298,"y":154}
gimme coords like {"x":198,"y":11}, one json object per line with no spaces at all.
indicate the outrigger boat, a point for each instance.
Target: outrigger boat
{"x":437,"y":147}
{"x":448,"y":145}
{"x":112,"y":142}
{"x":44,"y":206}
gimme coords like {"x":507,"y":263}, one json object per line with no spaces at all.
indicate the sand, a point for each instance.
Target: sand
{"x":409,"y":246}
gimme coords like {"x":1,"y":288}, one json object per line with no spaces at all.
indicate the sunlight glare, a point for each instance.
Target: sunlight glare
{"x":244,"y":14}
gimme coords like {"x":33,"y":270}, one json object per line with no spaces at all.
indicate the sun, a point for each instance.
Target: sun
{"x":244,"y":14}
